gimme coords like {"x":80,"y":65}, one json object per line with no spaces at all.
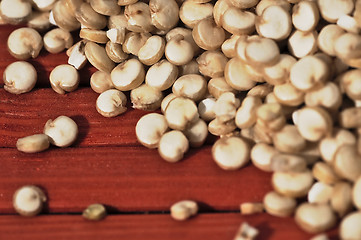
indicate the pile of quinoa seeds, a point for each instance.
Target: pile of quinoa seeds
{"x":279,"y":81}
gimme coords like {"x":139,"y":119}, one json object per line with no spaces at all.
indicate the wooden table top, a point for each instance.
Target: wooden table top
{"x":107,"y":165}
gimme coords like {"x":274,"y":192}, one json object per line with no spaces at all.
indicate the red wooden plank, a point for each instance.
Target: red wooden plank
{"x":26,"y":114}
{"x":108,"y":169}
{"x":140,"y":227}
{"x":127,"y":178}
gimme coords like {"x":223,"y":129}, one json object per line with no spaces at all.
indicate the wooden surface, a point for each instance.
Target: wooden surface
{"x":107,"y":165}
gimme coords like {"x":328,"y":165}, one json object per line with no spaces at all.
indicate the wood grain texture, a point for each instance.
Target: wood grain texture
{"x":221,"y":226}
{"x":128,"y":179}
{"x":26,"y":114}
{"x":108,"y":165}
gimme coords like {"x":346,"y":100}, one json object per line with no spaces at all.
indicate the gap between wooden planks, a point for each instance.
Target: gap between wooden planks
{"x":107,"y":165}
{"x":127,"y":179}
